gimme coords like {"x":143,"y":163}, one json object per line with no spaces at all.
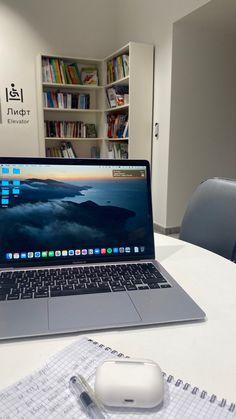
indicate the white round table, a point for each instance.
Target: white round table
{"x":201,"y":353}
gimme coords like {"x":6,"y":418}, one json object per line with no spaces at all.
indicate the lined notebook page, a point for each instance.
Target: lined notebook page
{"x":45,"y":393}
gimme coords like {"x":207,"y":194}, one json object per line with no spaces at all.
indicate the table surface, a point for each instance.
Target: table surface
{"x":201,"y":353}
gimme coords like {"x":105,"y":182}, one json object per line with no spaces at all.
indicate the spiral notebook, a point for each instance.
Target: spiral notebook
{"x":45,"y":393}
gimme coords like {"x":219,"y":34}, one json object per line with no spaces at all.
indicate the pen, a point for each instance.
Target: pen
{"x":84,"y":394}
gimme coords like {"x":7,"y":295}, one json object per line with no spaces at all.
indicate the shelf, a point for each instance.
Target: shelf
{"x":73,"y":139}
{"x":72,"y":86}
{"x":138,"y":112}
{"x":124,"y":80}
{"x":117,"y":139}
{"x":72,"y":110}
{"x":117,"y":108}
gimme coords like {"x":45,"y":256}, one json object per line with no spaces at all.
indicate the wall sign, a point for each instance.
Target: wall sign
{"x":16,"y":113}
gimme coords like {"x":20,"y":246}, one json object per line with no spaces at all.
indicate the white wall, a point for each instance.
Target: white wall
{"x":30,"y":27}
{"x":203,"y":109}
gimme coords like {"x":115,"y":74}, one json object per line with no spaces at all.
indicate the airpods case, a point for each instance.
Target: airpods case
{"x":127,"y":382}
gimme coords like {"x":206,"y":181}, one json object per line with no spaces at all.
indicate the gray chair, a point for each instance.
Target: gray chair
{"x":210,"y":218}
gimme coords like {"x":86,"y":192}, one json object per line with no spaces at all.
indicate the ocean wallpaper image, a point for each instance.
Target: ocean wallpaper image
{"x":70,"y":207}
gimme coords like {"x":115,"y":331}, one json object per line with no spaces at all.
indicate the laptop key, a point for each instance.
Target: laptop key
{"x":26,"y":296}
{"x":150,"y":280}
{"x":13,"y":297}
{"x":41,"y":294}
{"x":154,"y":285}
{"x":4,"y":289}
{"x":118,"y":288}
{"x":131,"y":287}
{"x":78,"y":291}
{"x":61,"y":293}
{"x":161,"y":280}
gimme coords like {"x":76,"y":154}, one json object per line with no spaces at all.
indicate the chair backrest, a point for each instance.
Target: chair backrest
{"x":210,"y":218}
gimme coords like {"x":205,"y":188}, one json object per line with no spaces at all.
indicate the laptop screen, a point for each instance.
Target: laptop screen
{"x":74,"y":211}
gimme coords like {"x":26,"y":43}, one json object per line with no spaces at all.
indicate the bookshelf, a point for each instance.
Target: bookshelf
{"x":109,"y":118}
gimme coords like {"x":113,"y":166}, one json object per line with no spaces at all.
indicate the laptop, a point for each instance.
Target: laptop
{"x":77,"y":249}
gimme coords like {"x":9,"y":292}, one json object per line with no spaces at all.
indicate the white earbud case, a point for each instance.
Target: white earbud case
{"x":127,"y":382}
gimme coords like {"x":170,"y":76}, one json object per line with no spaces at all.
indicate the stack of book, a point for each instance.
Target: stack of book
{"x":117,"y":125}
{"x":117,"y":68}
{"x":117,"y":150}
{"x":95,"y":152}
{"x":64,"y":150}
{"x":69,"y":129}
{"x":118,"y":95}
{"x":61,"y":100}
{"x":56,"y":70}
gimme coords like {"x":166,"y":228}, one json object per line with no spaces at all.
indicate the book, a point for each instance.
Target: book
{"x":74,"y":73}
{"x":126,"y":130}
{"x":64,"y":150}
{"x":117,"y":150}
{"x":117,"y":95}
{"x":65,"y":129}
{"x":45,"y":393}
{"x":125,"y":61}
{"x":116,"y":125}
{"x":95,"y":152}
{"x":111,"y":96}
{"x":89,"y":75}
{"x":91,"y":131}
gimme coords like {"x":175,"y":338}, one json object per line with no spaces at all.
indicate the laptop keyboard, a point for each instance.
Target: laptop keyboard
{"x":44,"y":283}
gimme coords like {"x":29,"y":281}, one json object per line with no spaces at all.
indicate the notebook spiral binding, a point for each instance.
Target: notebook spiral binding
{"x":177,"y":383}
{"x":107,"y":348}
{"x":202,"y":394}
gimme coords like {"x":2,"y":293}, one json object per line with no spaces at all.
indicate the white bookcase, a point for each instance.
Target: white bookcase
{"x":137,"y":110}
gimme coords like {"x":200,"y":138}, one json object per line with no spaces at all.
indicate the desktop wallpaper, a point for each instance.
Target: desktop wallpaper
{"x":58,"y":207}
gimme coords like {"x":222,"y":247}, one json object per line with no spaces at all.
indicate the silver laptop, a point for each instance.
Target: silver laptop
{"x":77,"y":249}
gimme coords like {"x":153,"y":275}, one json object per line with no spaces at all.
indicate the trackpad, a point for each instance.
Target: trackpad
{"x":91,"y":311}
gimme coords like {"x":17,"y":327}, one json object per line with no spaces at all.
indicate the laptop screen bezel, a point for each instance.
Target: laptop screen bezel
{"x":91,"y":162}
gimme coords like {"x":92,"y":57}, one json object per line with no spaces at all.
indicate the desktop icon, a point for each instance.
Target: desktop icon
{"x":37,"y":254}
{"x":5,"y":201}
{"x":30,"y":255}
{"x":64,"y":252}
{"x":23,"y":255}
{"x":5,"y":170}
{"x":16,"y":255}
{"x":121,"y":249}
{"x":44,"y":254}
{"x":16,"y":171}
{"x":109,"y":250}
{"x":5,"y":191}
{"x":90,"y":251}
{"x":77,"y":252}
{"x":127,"y":249}
{"x":9,"y":256}
{"x":103,"y":251}
{"x":71,"y":252}
{"x":5,"y":182}
{"x":57,"y":253}
{"x":51,"y":253}
{"x":115,"y":250}
{"x":84,"y":251}
{"x":97,"y":251}
{"x":136,"y":249}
